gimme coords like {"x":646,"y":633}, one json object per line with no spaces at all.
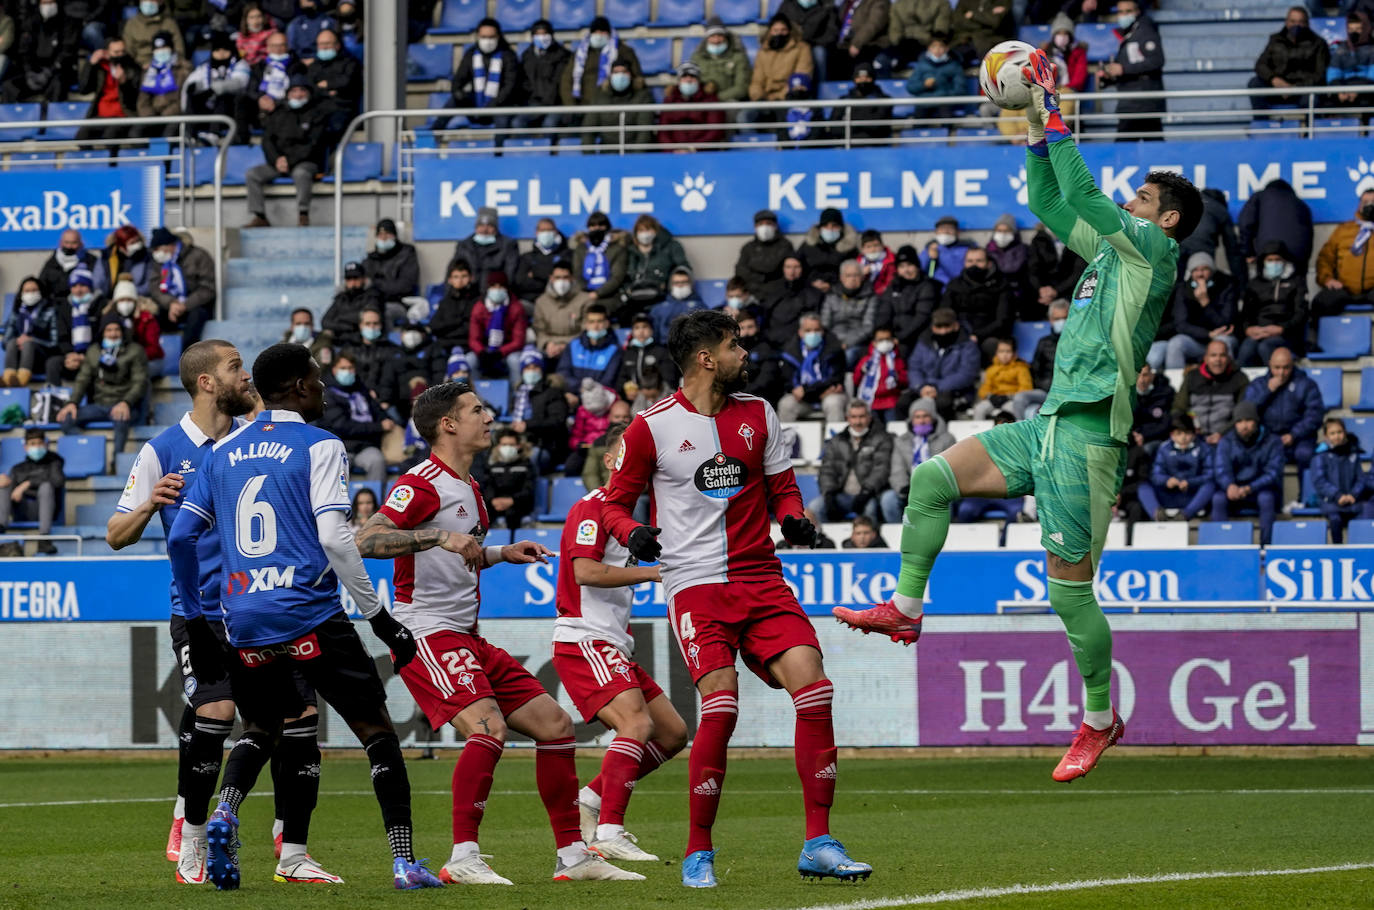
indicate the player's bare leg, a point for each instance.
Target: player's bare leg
{"x":199,"y":772}
{"x":719,"y":692}
{"x":964,"y":470}
{"x":802,"y":674}
{"x":484,"y":731}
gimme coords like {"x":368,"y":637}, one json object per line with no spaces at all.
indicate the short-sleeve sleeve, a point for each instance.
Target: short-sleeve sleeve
{"x":776,"y":458}
{"x":413,"y":501}
{"x":200,"y":498}
{"x":143,"y":477}
{"x":328,"y":477}
{"x":585,"y":533}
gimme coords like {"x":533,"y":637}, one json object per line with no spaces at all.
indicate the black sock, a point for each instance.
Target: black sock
{"x":296,"y":777}
{"x":392,"y":787}
{"x":200,"y":766}
{"x":188,"y":725}
{"x":241,"y":771}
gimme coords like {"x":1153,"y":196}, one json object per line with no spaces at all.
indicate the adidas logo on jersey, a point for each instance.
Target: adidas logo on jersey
{"x":827,"y":773}
{"x":687,"y":446}
{"x":462,"y":512}
{"x":708,"y":788}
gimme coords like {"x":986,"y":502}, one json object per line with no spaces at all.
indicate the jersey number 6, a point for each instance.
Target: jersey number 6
{"x":255,"y":523}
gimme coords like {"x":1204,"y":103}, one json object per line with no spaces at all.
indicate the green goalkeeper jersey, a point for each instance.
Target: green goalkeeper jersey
{"x":1117,"y":306}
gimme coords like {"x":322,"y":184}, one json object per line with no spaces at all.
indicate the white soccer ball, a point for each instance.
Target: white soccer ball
{"x":1001,"y":78}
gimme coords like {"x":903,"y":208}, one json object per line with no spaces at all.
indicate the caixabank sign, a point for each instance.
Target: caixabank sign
{"x":35,"y":208}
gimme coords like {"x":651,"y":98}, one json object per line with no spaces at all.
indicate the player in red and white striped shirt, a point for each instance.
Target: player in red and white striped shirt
{"x":592,"y":652}
{"x":714,"y":462}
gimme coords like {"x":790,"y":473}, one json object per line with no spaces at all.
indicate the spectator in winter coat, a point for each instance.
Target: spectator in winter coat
{"x":1345,"y":265}
{"x":786,"y":299}
{"x":682,"y":299}
{"x":452,"y":316}
{"x":159,"y":90}
{"x":305,"y":28}
{"x":1181,"y":480}
{"x":928,"y":437}
{"x":268,"y":81}
{"x":507,"y":481}
{"x":1274,"y":311}
{"x":1006,"y":377}
{"x":214,"y":86}
{"x":1343,"y":487}
{"x":653,"y":255}
{"x":32,"y":332}
{"x":29,"y":490}
{"x":854,"y":468}
{"x":487,"y":249}
{"x":337,"y":78}
{"x":1274,"y":214}
{"x":760,"y":259}
{"x":112,"y":78}
{"x":77,"y":316}
{"x":591,"y":62}
{"x":1025,"y":405}
{"x":816,"y":24}
{"x":422,"y":363}
{"x":539,"y":410}
{"x":869,"y":124}
{"x":254,"y":29}
{"x":601,"y":260}
{"x":1290,"y":407}
{"x":595,"y":472}
{"x":352,"y":414}
{"x":878,"y":262}
{"x":497,"y":335}
{"x":722,"y":63}
{"x":862,"y":32}
{"x":982,"y":299}
{"x":1138,"y":67}
{"x":1352,"y":60}
{"x":143,"y":26}
{"x":1070,"y":57}
{"x":541,"y":66}
{"x":848,"y":310}
{"x":828,"y":243}
{"x":1209,"y":393}
{"x":911,"y":25}
{"x":906,"y":305}
{"x":880,"y":376}
{"x":682,"y":128}
{"x":377,"y":358}
{"x":1294,"y":56}
{"x":937,"y":74}
{"x":643,"y":351}
{"x":944,"y":364}
{"x":43,"y":59}
{"x":593,"y":354}
{"x":112,"y":384}
{"x":184,"y":289}
{"x":341,"y":319}
{"x":1154,"y":396}
{"x":488,"y":75}
{"x":782,"y":54}
{"x":393,"y":269}
{"x":1012,"y":258}
{"x":141,"y":327}
{"x":978,"y":25}
{"x":1216,"y":229}
{"x":559,"y":311}
{"x":124,"y":253}
{"x":1054,"y":273}
{"x":302,"y":331}
{"x":1204,"y":308}
{"x":589,"y":423}
{"x":1248,"y":470}
{"x":766,"y":378}
{"x":813,"y":363}
{"x":535,"y":266}
{"x":295,"y":144}
{"x":70,"y":253}
{"x":943,"y":257}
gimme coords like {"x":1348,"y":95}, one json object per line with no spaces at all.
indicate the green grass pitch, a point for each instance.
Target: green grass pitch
{"x":929,"y":827}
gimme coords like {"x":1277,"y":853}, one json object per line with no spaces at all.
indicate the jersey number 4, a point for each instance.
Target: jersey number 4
{"x":255,"y":523}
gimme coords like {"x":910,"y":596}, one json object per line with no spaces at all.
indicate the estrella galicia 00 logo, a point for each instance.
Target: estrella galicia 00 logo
{"x":721,"y":477}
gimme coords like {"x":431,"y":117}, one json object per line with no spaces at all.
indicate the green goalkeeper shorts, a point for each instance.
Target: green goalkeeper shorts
{"x":1074,"y":474}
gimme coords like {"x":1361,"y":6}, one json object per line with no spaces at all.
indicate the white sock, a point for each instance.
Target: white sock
{"x":179,"y":810}
{"x":606,"y":832}
{"x":192,"y":832}
{"x":911,"y":607}
{"x":463,"y":850}
{"x":573,"y":854}
{"x":278,"y":826}
{"x":291,"y":854}
{"x":1098,"y":720}
{"x":590,"y":798}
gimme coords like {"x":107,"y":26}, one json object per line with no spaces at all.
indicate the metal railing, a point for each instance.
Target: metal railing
{"x":1086,"y":115}
{"x":178,"y":163}
{"x":22,"y":539}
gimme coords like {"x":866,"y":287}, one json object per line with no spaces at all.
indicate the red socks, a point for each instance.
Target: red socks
{"x":619,"y":771}
{"x":706,"y":765}
{"x":654,"y":756}
{"x":555,"y":774}
{"x":815,"y":753}
{"x":472,"y":784}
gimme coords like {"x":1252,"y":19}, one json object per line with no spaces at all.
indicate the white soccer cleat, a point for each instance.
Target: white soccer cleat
{"x":592,"y":868}
{"x":305,"y":872}
{"x":624,"y":846}
{"x":588,"y":818}
{"x":191,"y":861}
{"x":471,"y":870}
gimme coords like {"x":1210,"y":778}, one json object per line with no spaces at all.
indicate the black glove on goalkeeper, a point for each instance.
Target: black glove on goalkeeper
{"x":799,"y":530}
{"x":396,"y":636}
{"x":643,"y":544}
{"x":207,"y":652}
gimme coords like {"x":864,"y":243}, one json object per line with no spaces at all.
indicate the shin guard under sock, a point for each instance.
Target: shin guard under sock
{"x":555,"y":776}
{"x":472,"y":784}
{"x":706,"y":765}
{"x":184,"y":731}
{"x":814,"y":745}
{"x":1090,"y":637}
{"x":392,"y":786}
{"x":925,"y":524}
{"x":241,"y":770}
{"x":619,"y":771}
{"x":296,"y":777}
{"x":201,"y":764}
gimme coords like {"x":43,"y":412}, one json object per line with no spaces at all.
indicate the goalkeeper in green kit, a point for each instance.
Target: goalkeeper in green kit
{"x":1072,"y":456}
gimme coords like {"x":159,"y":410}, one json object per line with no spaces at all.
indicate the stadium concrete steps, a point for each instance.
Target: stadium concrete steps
{"x":301,"y":242}
{"x":281,"y":272}
{"x":266,"y":303}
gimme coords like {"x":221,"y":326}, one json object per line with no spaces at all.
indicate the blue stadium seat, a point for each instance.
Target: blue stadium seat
{"x":1299,"y":534}
{"x":495,"y":392}
{"x":200,"y":166}
{"x":712,"y":292}
{"x":1360,"y":531}
{"x":623,"y":13}
{"x":87,"y":160}
{"x":238,"y":160}
{"x":737,"y":12}
{"x":20,"y":113}
{"x":459,"y":16}
{"x":572,"y":13}
{"x":84,"y":455}
{"x":171,"y":353}
{"x":14,"y":398}
{"x":683,"y":12}
{"x":1366,"y":402}
{"x":1362,"y":428}
{"x":549,"y":537}
{"x":754,"y":139}
{"x":1341,"y":338}
{"x":655,"y":54}
{"x":1328,"y":380}
{"x":11,"y":452}
{"x":362,"y":161}
{"x":427,"y":62}
{"x":355,"y":485}
{"x":65,"y":110}
{"x":1027,"y":335}
{"x":809,"y":485}
{"x":1331,"y":28}
{"x":519,"y":15}
{"x":1335,"y":126}
{"x":829,"y":91}
{"x":1100,"y":38}
{"x":1307,"y":497}
{"x":1225,"y":534}
{"x":978,"y":137}
{"x":35,"y":161}
{"x":564,"y":495}
{"x":124,"y":463}
{"x":751,"y":45}
{"x":1033,"y":34}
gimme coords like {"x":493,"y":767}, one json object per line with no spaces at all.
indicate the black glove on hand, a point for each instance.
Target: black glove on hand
{"x":207,"y":652}
{"x":396,"y":636}
{"x":799,"y":530}
{"x":643,"y":544}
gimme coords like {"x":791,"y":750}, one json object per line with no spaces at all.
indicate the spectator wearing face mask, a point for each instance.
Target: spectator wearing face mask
{"x":506,"y":478}
{"x":595,"y":473}
{"x":817,"y":24}
{"x":29,"y":490}
{"x":782,"y":54}
{"x":1294,"y":56}
{"x":722,"y":63}
{"x":654,"y":254}
{"x":541,"y":66}
{"x":159,"y":91}
{"x":1025,"y":405}
{"x":535,"y":265}
{"x":928,"y":438}
{"x":125,"y":253}
{"x":268,"y":81}
{"x":341,"y":319}
{"x":140,"y":318}
{"x":350,"y":28}
{"x":488,"y":75}
{"x":1352,"y":60}
{"x":944,"y":364}
{"x":880,"y":375}
{"x":909,"y":300}
{"x":911,"y":26}
{"x":828,"y":243}
{"x":111,"y":77}
{"x":295,"y":144}
{"x":936,"y":74}
{"x":77,"y":316}
{"x":392,"y":268}
{"x":765,"y":367}
{"x":589,"y":423}
{"x":559,"y":310}
{"x":352,"y":414}
{"x":1204,"y":307}
{"x":643,"y":352}
{"x":1273,"y":312}
{"x":452,"y":316}
{"x":799,"y":117}
{"x":943,"y":257}
{"x":591,"y":63}
{"x":848,"y":311}
{"x":1065,"y":53}
{"x":617,"y":129}
{"x":184,"y":290}
{"x":813,"y":363}
{"x":1012,"y":258}
{"x":539,"y":410}
{"x":31,"y":332}
{"x":487,"y":249}
{"x":302,"y":331}
{"x":601,"y":260}
{"x":1154,"y":398}
{"x":787,"y":298}
{"x":422,"y":364}
{"x":878,"y":262}
{"x":760,"y":259}
{"x":1138,"y":67}
{"x":1275,"y":213}
{"x":301,"y":31}
{"x":983,"y":301}
{"x":1344,"y":488}
{"x":70,"y":254}
{"x":376,"y":358}
{"x":112,"y":384}
{"x":43,"y":62}
{"x":1345,"y":265}
{"x":682,"y":298}
{"x":686,"y":129}
{"x":498,"y":331}
{"x":336,"y":77}
{"x":140,"y":29}
{"x":738,"y":301}
{"x":865,"y":122}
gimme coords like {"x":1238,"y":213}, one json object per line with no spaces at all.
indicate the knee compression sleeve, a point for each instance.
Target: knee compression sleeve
{"x":1090,"y":637}
{"x":925,"y":523}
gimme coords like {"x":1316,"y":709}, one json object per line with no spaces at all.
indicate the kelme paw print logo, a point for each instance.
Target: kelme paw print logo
{"x":693,"y":192}
{"x":1362,"y":175}
{"x":1018,"y":183}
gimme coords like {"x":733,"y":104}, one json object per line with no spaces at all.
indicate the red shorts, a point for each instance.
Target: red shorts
{"x":595,"y":672}
{"x":452,"y":670}
{"x":759,"y":619}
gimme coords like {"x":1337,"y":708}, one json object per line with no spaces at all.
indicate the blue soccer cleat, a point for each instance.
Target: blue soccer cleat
{"x":699,"y":869}
{"x":413,"y":875}
{"x":824,"y":857}
{"x":222,"y":837}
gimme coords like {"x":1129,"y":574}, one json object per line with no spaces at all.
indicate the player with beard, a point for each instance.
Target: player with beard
{"x":713,"y":460}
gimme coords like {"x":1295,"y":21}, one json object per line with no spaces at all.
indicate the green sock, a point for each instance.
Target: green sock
{"x":925,"y":524}
{"x":1090,"y":637}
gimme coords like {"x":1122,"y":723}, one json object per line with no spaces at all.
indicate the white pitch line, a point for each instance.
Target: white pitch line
{"x":968,"y":894}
